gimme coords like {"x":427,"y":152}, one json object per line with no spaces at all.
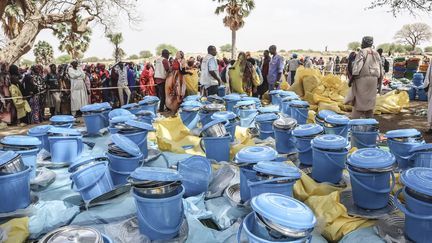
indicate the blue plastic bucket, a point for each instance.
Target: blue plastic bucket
{"x":285,"y":141}
{"x":328,"y":166}
{"x":140,"y":139}
{"x":422,"y":95}
{"x":94,"y":123}
{"x":65,"y":149}
{"x":412,"y":93}
{"x":93,"y":181}
{"x":231,"y":129}
{"x":216,"y":148}
{"x":363,"y":139}
{"x":418,"y":79}
{"x":246,"y":174}
{"x":300,"y":114}
{"x":371,"y":190}
{"x":258,"y":187}
{"x":29,"y":158}
{"x":106,"y":117}
{"x":15,"y":191}
{"x":247,"y":117}
{"x":190,"y":118}
{"x":196,"y":173}
{"x":339,"y":130}
{"x":124,"y":164}
{"x":119,"y":178}
{"x":150,"y":107}
{"x":205,"y":117}
{"x":401,"y":151}
{"x":160,"y":218}
{"x":422,"y":159}
{"x":221,"y":91}
{"x":304,"y":147}
{"x":264,"y":123}
{"x":41,"y":132}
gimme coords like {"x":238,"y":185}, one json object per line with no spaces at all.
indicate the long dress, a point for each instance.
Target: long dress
{"x":147,"y":82}
{"x":79,"y":97}
{"x":6,"y":106}
{"x":175,"y":88}
{"x":96,"y":94}
{"x":21,"y":105}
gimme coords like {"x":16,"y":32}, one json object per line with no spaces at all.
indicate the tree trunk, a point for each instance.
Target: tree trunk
{"x":233,"y":44}
{"x":20,"y":45}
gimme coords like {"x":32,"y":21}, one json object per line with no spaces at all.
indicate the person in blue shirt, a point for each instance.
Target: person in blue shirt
{"x":131,"y":79}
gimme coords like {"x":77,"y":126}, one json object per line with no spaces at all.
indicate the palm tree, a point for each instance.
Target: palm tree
{"x":43,"y":53}
{"x":236,"y":11}
{"x":75,"y":44}
{"x":116,"y":39}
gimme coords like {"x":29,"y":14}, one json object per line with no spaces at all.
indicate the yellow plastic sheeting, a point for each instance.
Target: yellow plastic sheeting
{"x":311,"y":116}
{"x":18,"y":230}
{"x":191,"y":81}
{"x":392,"y":102}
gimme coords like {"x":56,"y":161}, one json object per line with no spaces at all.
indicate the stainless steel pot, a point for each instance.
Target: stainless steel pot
{"x":414,"y":139}
{"x":155,"y":188}
{"x":285,"y":123}
{"x":264,"y":177}
{"x":246,"y":107}
{"x":331,"y":125}
{"x":364,"y":128}
{"x":211,"y":108}
{"x":115,"y":150}
{"x":217,"y":130}
{"x":280,"y":232}
{"x":8,"y":147}
{"x":14,"y":165}
{"x":73,"y":234}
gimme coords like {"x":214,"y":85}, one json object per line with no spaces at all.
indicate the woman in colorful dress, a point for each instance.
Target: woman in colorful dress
{"x":95,"y":83}
{"x":147,"y":84}
{"x":175,"y":88}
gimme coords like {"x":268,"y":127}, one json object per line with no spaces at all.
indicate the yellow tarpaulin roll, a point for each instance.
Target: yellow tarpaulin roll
{"x":18,"y":230}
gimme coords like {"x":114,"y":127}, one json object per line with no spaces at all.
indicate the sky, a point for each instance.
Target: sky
{"x":191,"y":25}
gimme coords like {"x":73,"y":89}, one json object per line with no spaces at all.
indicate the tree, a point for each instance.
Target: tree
{"x":75,"y":44}
{"x":116,"y":39}
{"x":414,"y":34}
{"x":63,"y":59}
{"x":22,"y":20}
{"x":236,"y":12}
{"x":26,"y":63}
{"x":397,"y":6}
{"x":226,"y":48}
{"x":43,"y":52}
{"x":394,"y":48}
{"x":145,"y":54}
{"x":428,"y":49}
{"x":133,"y":57}
{"x":170,"y":48}
{"x":91,"y":59}
{"x":352,"y":46}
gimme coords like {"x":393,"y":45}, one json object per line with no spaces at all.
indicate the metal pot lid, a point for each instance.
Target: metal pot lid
{"x":191,"y":103}
{"x":283,"y":94}
{"x":129,"y":106}
{"x":141,"y":125}
{"x":7,"y":156}
{"x":118,"y":112}
{"x":268,"y":109}
{"x":149,"y":100}
{"x":126,"y":145}
{"x":325,"y":113}
{"x":402,"y":133}
{"x":255,"y":154}
{"x":284,"y":211}
{"x":21,"y":140}
{"x":43,"y":129}
{"x":145,"y":113}
{"x":232,"y":97}
{"x":421,"y":147}
{"x":266,"y":117}
{"x":337,"y":119}
{"x":73,"y":234}
{"x":329,"y":141}
{"x":278,"y":169}
{"x":245,"y":103}
{"x":224,"y":115}
{"x":84,"y":160}
{"x":66,"y":131}
{"x":121,"y":119}
{"x":418,"y":179}
{"x":92,"y":107}
{"x":371,"y":158}
{"x":361,"y":122}
{"x":299,"y":104}
{"x":106,"y":105}
{"x":213,"y":107}
{"x":215,"y":97}
{"x":307,"y":130}
{"x":155,"y":174}
{"x":285,"y":123}
{"x":62,"y":118}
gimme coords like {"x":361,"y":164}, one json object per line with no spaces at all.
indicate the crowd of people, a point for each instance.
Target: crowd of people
{"x":64,"y":89}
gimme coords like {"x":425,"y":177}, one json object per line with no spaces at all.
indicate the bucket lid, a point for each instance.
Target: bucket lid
{"x":129,"y":106}
{"x":359,"y":122}
{"x":307,"y":130}
{"x":67,"y":131}
{"x":213,"y":107}
{"x":62,"y":118}
{"x":418,"y":76}
{"x":287,"y":93}
{"x":155,"y":174}
{"x":7,"y":156}
{"x":275,"y":91}
{"x":337,"y":119}
{"x":92,"y":107}
{"x":284,"y":211}
{"x":255,"y":154}
{"x":325,"y":113}
{"x":421,"y":147}
{"x":145,"y":113}
{"x":232,"y":97}
{"x":126,"y":144}
{"x":402,"y":133}
{"x":141,"y":125}
{"x":118,"y":112}
{"x":43,"y":129}
{"x":192,"y":98}
{"x":149,"y":100}
{"x":289,"y":99}
{"x":255,"y":99}
{"x":371,"y":158}
{"x":21,"y":140}
{"x":245,"y":103}
{"x":299,"y":103}
{"x":124,"y":118}
{"x":84,"y":160}
{"x":285,"y":123}
{"x":269,"y":109}
{"x":73,"y":234}
{"x":418,"y":179}
{"x":278,"y":169}
{"x":329,"y":141}
{"x":106,"y":105}
{"x":191,"y":103}
{"x":266,"y":117}
{"x":224,"y":115}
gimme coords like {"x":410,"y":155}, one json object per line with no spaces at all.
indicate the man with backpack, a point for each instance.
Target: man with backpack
{"x":385,"y":63}
{"x":367,"y":75}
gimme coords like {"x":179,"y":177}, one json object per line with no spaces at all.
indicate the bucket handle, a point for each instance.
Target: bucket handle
{"x":80,"y":145}
{"x":167,"y":232}
{"x":374,"y":190}
{"x":406,"y":211}
{"x":202,"y":146}
{"x":90,"y":184}
{"x":240,"y":230}
{"x":250,"y":183}
{"x":362,"y":144}
{"x":305,"y":151}
{"x":332,"y":160}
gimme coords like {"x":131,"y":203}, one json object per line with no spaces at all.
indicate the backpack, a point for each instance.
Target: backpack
{"x":386,"y":66}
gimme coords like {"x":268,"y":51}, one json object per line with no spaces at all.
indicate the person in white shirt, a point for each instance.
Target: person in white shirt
{"x":210,"y":79}
{"x":79,"y":96}
{"x":122,"y":84}
{"x":329,"y":66}
{"x":293,"y":64}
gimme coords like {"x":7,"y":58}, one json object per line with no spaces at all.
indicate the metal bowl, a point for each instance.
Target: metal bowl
{"x":280,"y":232}
{"x":217,"y":130}
{"x":211,"y":108}
{"x":246,"y":107}
{"x":285,"y":123}
{"x":264,"y":177}
{"x":330,"y":125}
{"x":364,"y":128}
{"x":413,"y":139}
{"x":8,"y":147}
{"x":160,"y":189}
{"x":115,"y":150}
{"x":14,"y":165}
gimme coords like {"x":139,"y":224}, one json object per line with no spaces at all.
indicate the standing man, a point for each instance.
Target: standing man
{"x":122,"y":83}
{"x":210,"y":79}
{"x":265,"y":63}
{"x":276,"y":68}
{"x":367,"y":74}
{"x":293,"y":64}
{"x":162,"y":68}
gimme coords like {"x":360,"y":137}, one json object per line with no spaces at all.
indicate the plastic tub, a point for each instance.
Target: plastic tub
{"x":216,"y":148}
{"x":15,"y":191}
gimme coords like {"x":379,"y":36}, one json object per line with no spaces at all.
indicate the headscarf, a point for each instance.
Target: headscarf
{"x":367,"y":42}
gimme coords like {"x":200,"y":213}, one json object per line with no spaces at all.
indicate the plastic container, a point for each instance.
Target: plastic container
{"x":304,"y":135}
{"x":363,"y":138}
{"x":400,"y":143}
{"x":119,"y":178}
{"x":286,"y":105}
{"x":422,"y":94}
{"x":321,"y":116}
{"x":285,"y":141}
{"x":275,"y":98}
{"x":94,"y":119}
{"x":264,"y":123}
{"x":231,"y":126}
{"x":64,"y":121}
{"x":139,"y":138}
{"x":231,"y":100}
{"x":15,"y":191}
{"x":337,"y":125}
{"x":66,"y":145}
{"x":421,"y":156}
{"x":149,"y":103}
{"x":221,"y":91}
{"x":216,"y":148}
{"x":41,"y":132}
{"x":132,"y":107}
{"x":196,"y":174}
{"x":300,"y":111}
{"x":122,"y":163}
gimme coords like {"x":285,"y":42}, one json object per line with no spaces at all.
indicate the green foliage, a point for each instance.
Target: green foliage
{"x":172,"y":49}
{"x":63,"y":59}
{"x":428,"y":49}
{"x":352,"y":46}
{"x":43,"y":52}
{"x":394,"y":48}
{"x":133,"y":57}
{"x":226,"y":48}
{"x":116,"y":39}
{"x":26,"y":63}
{"x":91,"y":59}
{"x":75,"y":44}
{"x":145,"y":54}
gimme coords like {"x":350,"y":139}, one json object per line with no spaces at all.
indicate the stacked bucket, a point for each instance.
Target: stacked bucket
{"x":401,"y":142}
{"x":304,"y":134}
{"x":247,"y":112}
{"x":149,"y":103}
{"x":66,"y":145}
{"x":417,"y":92}
{"x":264,"y":123}
{"x":95,"y":118}
{"x":285,"y":141}
{"x":137,"y":132}
{"x":189,"y":113}
{"x":215,"y":141}
{"x":232,"y":123}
